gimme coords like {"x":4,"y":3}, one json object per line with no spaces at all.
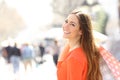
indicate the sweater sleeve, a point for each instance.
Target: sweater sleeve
{"x":76,"y":70}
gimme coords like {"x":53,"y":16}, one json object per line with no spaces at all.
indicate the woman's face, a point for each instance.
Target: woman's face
{"x":71,"y":27}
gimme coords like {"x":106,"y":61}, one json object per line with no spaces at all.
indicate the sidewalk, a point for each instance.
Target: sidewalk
{"x":45,"y":71}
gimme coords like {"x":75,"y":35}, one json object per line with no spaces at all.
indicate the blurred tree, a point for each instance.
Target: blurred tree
{"x":10,"y":22}
{"x":98,"y":14}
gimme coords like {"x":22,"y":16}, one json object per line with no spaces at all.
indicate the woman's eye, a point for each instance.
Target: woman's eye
{"x":66,"y":21}
{"x":73,"y":24}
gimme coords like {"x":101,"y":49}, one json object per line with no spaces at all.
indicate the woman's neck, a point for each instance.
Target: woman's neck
{"x":73,"y":45}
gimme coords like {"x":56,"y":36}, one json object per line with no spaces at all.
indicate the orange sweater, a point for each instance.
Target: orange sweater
{"x":72,"y":65}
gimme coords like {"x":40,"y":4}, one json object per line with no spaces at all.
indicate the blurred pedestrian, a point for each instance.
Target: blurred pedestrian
{"x":15,"y":58}
{"x":27,"y":55}
{"x":80,"y":59}
{"x":8,"y":52}
{"x":42,"y":52}
{"x":56,"y":51}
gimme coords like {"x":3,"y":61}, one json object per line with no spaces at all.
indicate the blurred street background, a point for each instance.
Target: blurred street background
{"x":31,"y":34}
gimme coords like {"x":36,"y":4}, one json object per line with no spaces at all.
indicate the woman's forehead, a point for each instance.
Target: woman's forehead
{"x":72,"y":17}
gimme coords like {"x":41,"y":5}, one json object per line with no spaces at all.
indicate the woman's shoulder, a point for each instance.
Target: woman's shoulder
{"x":78,"y":54}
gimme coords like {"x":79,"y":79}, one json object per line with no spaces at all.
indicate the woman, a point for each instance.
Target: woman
{"x":80,"y":58}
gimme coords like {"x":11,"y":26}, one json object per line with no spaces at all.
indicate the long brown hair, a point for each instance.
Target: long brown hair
{"x":89,"y":47}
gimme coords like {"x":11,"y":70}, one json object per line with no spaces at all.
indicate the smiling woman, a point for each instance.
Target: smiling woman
{"x":80,"y":58}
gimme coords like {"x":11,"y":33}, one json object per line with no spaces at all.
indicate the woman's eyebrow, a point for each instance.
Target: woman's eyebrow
{"x":73,"y":22}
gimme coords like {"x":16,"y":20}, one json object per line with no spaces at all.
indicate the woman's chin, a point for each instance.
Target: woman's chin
{"x":66,"y":37}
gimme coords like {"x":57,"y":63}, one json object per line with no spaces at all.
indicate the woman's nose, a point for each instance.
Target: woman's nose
{"x":66,"y":25}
